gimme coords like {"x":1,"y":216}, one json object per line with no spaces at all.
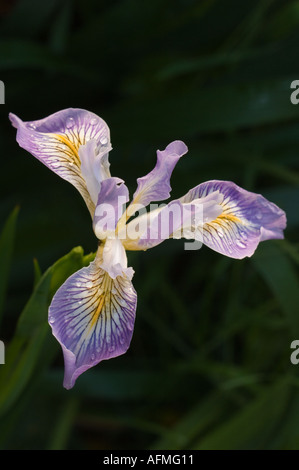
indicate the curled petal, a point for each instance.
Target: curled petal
{"x":92,"y":316}
{"x":94,"y":167}
{"x":246,"y":219}
{"x":155,"y":186}
{"x":56,"y":140}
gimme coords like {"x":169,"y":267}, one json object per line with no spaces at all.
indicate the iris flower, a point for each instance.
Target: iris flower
{"x":92,"y":314}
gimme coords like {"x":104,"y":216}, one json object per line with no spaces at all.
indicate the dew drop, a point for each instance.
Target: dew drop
{"x":240,"y":244}
{"x":93,"y":121}
{"x":55,"y":165}
{"x":51,"y":320}
{"x":258,"y":215}
{"x":130,"y":326}
{"x":243,"y":235}
{"x":103,"y":140}
{"x":78,"y":284}
{"x":69,"y":122}
{"x":32,"y":126}
{"x":220,"y":233}
{"x":92,"y":357}
{"x":89,"y":285}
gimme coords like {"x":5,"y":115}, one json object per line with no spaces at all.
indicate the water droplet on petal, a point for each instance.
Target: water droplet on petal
{"x":243,"y":235}
{"x":78,"y":284}
{"x":51,"y":320}
{"x":240,"y":244}
{"x":88,"y":285}
{"x":55,"y":165}
{"x":93,"y":121}
{"x":130,"y":326}
{"x":103,"y":140}
{"x":69,"y":122}
{"x":92,"y":357}
{"x":32,"y":126}
{"x":220,"y":233}
{"x":258,"y":215}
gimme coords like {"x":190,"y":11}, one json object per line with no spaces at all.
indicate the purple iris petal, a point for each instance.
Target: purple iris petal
{"x":56,"y":139}
{"x":226,"y":218}
{"x":92,"y":316}
{"x":112,"y":197}
{"x":155,"y":186}
{"x":247,"y":219}
{"x":174,"y":220}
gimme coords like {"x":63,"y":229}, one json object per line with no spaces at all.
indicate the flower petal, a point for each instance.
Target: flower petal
{"x":246,"y":219}
{"x":92,"y":316}
{"x":111,"y":201}
{"x":94,"y":167}
{"x":115,"y":261}
{"x":174,"y":220}
{"x":56,"y":139}
{"x":155,"y":186}
{"x":219,"y":214}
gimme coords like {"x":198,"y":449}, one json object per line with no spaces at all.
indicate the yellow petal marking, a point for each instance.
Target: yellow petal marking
{"x":230,"y":217}
{"x":103,"y":298}
{"x":68,"y":143}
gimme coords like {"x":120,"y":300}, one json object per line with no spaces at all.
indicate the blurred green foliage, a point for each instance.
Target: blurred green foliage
{"x":209,"y":364}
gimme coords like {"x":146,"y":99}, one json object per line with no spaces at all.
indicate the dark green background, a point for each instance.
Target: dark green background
{"x":209,"y":364}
